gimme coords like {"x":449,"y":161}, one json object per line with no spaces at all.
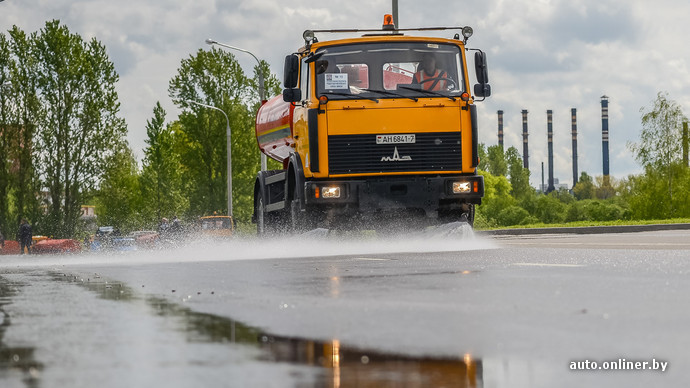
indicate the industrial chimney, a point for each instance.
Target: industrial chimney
{"x":573,"y":113}
{"x":549,"y":129}
{"x":685,"y":144}
{"x":500,"y":129}
{"x":605,"y":133}
{"x":525,"y":150}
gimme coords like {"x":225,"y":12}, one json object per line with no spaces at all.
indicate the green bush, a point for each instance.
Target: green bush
{"x":512,"y":215}
{"x":550,"y":210}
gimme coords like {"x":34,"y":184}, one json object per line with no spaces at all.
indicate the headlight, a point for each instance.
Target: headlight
{"x":467,"y":32}
{"x":461,"y":187}
{"x":330,"y":192}
{"x":308,"y":36}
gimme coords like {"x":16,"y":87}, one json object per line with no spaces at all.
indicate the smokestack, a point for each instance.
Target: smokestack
{"x":542,"y":188}
{"x":500,"y":128}
{"x":685,"y":144}
{"x":549,"y":129}
{"x":605,"y":132}
{"x":573,"y":113}
{"x":525,"y":150}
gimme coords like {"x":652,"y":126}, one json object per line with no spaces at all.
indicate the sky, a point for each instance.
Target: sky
{"x":542,"y":54}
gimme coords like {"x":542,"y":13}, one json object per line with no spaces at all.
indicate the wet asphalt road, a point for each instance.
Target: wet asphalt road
{"x":417,"y":311}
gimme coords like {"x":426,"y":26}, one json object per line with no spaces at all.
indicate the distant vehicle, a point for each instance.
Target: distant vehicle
{"x":217,"y":226}
{"x":146,"y":238}
{"x":124,"y":243}
{"x":109,"y":238}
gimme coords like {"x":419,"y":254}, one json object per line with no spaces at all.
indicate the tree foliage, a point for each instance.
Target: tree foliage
{"x":660,"y":151}
{"x":215,"y":78}
{"x":519,"y":175}
{"x":161,"y":180}
{"x":661,"y":136}
{"x":78,"y":126}
{"x":118,"y":200}
{"x":584,"y":189}
{"x":496,"y":160}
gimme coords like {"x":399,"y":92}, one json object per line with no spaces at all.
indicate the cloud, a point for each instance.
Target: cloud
{"x":543,"y":54}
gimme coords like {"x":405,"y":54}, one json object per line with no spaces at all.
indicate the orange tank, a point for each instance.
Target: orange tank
{"x":273,"y":129}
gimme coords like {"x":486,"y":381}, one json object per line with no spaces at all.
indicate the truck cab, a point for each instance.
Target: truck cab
{"x":366,"y":128}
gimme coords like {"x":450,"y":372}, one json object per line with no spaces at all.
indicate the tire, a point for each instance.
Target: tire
{"x":298,"y":220}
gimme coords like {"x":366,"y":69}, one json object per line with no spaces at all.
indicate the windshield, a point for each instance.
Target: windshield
{"x":390,"y":70}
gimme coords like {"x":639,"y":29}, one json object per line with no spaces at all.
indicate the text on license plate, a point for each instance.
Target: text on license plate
{"x":394,"y":139}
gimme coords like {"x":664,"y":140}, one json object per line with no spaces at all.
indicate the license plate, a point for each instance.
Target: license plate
{"x":395,"y":139}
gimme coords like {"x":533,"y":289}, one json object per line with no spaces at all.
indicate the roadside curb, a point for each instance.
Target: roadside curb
{"x":585,"y":229}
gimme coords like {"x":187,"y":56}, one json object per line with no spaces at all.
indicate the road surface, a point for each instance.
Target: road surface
{"x":425,"y":310}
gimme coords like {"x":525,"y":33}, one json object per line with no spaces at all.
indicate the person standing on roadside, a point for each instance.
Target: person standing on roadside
{"x":24,"y":236}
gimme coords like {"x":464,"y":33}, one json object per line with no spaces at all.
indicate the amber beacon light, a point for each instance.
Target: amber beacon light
{"x":388,"y":23}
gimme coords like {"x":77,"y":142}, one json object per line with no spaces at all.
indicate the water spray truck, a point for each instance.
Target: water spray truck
{"x":362,"y":138}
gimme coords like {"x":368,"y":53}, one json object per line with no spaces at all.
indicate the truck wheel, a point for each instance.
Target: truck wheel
{"x":298,"y":218}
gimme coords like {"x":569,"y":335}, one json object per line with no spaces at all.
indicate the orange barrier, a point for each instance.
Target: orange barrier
{"x":11,"y":248}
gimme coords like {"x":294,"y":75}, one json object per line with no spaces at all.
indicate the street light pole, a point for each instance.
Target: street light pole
{"x":229,"y":162}
{"x":261,"y":81}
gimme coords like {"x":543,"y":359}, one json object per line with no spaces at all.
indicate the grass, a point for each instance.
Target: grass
{"x":593,"y":223}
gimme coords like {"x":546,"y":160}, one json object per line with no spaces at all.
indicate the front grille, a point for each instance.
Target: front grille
{"x":358,"y":154}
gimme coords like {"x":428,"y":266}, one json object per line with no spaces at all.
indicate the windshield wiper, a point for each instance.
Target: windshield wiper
{"x":389,"y":93}
{"x":427,"y":92}
{"x":352,"y":96}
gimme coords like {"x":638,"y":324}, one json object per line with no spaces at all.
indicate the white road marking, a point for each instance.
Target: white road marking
{"x":548,"y":265}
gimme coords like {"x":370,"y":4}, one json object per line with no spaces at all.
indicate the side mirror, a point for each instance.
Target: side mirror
{"x":481,"y":68}
{"x":292,"y":95}
{"x":482,"y":89}
{"x":291,"y":71}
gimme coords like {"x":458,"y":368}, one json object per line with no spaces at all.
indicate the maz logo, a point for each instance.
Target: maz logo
{"x":396,"y":157}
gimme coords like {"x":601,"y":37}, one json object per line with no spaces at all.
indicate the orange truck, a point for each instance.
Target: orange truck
{"x":363,"y":138}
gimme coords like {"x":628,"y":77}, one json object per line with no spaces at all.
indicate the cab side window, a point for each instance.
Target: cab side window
{"x":304,"y":81}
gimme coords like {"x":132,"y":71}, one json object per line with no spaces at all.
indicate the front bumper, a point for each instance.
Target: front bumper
{"x":381,"y":194}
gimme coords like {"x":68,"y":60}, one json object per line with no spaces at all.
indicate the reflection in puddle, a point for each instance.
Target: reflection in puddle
{"x":15,"y":359}
{"x":341,"y":366}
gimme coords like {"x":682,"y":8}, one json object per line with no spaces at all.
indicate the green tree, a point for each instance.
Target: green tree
{"x":161,"y":180}
{"x":643,"y":193}
{"x":584,"y":188}
{"x":519,"y":175}
{"x":660,"y":146}
{"x":496,"y":198}
{"x":118,"y":200}
{"x":7,"y":130}
{"x":604,"y":187}
{"x":215,"y":78}
{"x":20,"y":185}
{"x":496,"y":160}
{"x":79,"y":127}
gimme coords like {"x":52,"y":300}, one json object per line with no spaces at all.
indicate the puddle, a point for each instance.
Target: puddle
{"x":338,"y":364}
{"x":19,"y":360}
